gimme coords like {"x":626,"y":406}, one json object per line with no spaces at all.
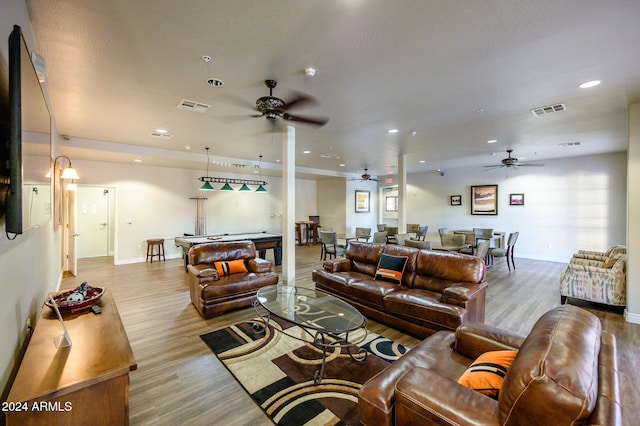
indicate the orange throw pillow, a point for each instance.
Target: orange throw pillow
{"x":487,"y":372}
{"x":230,"y":267}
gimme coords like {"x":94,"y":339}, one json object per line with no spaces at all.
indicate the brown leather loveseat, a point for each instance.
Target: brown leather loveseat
{"x":212,"y":292}
{"x":564,"y":373}
{"x":438,"y":290}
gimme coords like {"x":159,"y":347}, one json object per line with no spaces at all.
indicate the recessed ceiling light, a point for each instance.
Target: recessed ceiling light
{"x":392,"y":131}
{"x":187,"y":147}
{"x":588,"y":84}
{"x":413,"y":133}
{"x":492,"y":141}
{"x":422,"y":161}
{"x":137,"y":160}
{"x":306,"y":152}
{"x":309,"y":71}
{"x":342,"y":165}
{"x":163,"y":131}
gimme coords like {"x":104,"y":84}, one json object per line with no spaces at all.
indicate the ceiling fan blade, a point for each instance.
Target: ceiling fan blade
{"x":493,"y":167}
{"x":300,"y":100}
{"x":316,"y":121}
{"x":530,"y":165}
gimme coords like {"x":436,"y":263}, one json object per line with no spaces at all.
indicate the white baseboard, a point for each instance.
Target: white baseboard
{"x":632,"y":318}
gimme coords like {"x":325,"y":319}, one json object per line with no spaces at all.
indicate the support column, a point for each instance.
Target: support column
{"x":288,"y":205}
{"x":632,"y":313}
{"x":402,"y":193}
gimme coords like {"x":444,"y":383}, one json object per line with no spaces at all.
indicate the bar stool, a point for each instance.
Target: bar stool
{"x":151,"y":244}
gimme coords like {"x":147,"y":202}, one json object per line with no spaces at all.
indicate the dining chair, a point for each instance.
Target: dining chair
{"x":422,"y":245}
{"x":422,"y":233}
{"x":470,"y":240}
{"x":363,"y":234}
{"x":401,"y":238}
{"x":380,"y":237}
{"x":443,"y":231}
{"x":506,"y":252}
{"x":392,"y":231}
{"x":452,"y":239}
{"x":382,"y":227}
{"x":330,"y":246}
{"x":413,"y":228}
{"x":482,"y":251}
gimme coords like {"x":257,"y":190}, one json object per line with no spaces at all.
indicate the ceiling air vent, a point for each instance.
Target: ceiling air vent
{"x":193,"y":106}
{"x":578,"y":143}
{"x":549,"y":109}
{"x":160,"y":135}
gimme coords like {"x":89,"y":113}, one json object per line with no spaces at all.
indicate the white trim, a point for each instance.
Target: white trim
{"x":632,"y":318}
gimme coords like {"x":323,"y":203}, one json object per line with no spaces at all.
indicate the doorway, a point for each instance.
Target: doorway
{"x":93,"y":233}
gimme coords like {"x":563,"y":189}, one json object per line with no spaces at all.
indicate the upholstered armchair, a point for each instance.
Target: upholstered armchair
{"x":595,"y":281}
{"x":363,"y":234}
{"x":600,"y":255}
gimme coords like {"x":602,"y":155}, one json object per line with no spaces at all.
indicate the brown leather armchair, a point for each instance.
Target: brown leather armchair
{"x":212,"y":293}
{"x":565,"y":373}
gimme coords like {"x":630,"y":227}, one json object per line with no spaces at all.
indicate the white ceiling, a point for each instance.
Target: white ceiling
{"x":458,"y":73}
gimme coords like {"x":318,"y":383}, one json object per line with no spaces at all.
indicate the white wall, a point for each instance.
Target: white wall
{"x":361,"y":220}
{"x":156,"y":201}
{"x":570,"y":204}
{"x":633,"y":214}
{"x":30,"y":264}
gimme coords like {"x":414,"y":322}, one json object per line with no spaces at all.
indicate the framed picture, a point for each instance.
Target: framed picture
{"x":484,"y":200}
{"x":516,"y":199}
{"x":362,"y":201}
{"x":391,"y":204}
{"x":455,"y":200}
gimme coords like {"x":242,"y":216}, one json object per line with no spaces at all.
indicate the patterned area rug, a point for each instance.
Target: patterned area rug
{"x":278,"y":371}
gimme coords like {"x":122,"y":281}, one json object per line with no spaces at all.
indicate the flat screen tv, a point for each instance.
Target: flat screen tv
{"x":28,"y":112}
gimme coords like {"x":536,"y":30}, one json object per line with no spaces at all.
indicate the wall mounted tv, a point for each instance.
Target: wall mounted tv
{"x":28,"y":112}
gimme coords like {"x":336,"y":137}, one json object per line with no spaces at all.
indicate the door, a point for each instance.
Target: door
{"x":71,"y":234}
{"x":94,"y":224}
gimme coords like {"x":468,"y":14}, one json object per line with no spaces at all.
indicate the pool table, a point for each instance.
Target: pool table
{"x":262,"y":240}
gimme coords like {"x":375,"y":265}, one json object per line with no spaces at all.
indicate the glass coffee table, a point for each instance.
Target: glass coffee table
{"x":326,"y":321}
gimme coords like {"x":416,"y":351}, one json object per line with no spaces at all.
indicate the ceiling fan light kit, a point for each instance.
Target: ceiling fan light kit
{"x":273,"y":108}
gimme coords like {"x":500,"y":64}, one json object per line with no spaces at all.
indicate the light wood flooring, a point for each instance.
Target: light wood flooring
{"x":179,"y":380}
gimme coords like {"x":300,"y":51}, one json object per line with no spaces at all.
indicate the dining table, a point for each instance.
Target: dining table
{"x":454,"y":248}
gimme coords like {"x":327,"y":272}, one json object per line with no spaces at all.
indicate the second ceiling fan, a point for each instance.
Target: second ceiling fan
{"x":511,"y":162}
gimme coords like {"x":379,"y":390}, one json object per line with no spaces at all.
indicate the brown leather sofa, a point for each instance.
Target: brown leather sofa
{"x":213,"y":294}
{"x":565,"y":373}
{"x":439,"y":290}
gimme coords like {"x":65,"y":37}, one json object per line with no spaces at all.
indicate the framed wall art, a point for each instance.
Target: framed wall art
{"x":363,"y":201}
{"x":455,"y":200}
{"x":516,"y":199}
{"x":484,"y":200}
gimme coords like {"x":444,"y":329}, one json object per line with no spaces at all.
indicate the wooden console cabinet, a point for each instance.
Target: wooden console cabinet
{"x":84,"y":384}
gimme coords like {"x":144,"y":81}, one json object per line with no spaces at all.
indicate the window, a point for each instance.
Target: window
{"x":391,"y":204}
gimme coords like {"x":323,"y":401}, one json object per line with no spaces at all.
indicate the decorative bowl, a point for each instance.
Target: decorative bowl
{"x":69,"y":301}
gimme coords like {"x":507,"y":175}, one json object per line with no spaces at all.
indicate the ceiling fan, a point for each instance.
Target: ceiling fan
{"x":273,"y":108}
{"x":366,"y":176}
{"x":512,"y":162}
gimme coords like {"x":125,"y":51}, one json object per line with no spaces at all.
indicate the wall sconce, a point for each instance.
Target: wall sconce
{"x":68,"y":172}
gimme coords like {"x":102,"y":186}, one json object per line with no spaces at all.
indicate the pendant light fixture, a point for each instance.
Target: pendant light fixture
{"x":207,"y":186}
{"x":261,"y":189}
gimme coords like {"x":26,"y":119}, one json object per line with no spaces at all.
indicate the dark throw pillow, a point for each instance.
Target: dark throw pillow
{"x":390,"y":268}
